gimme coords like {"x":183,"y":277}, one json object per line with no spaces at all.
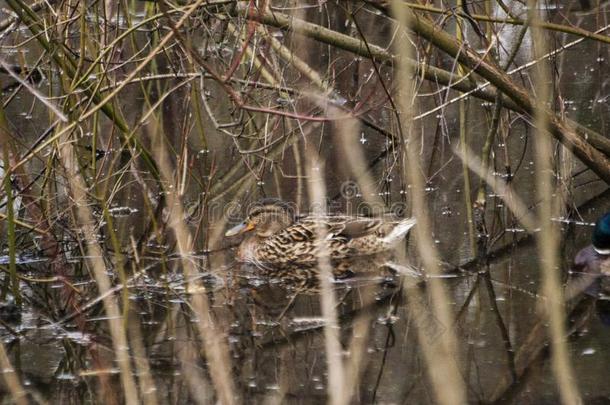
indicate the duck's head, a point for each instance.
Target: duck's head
{"x":265,"y":217}
{"x":601,"y":235}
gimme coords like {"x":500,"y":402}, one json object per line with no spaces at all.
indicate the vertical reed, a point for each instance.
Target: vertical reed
{"x":441,"y":355}
{"x":18,"y":394}
{"x":548,"y":237}
{"x":213,"y":341}
{"x":95,"y":258}
{"x":334,"y":353}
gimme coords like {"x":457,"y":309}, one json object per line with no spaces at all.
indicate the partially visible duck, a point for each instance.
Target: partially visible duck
{"x":591,"y":266}
{"x":595,"y":258}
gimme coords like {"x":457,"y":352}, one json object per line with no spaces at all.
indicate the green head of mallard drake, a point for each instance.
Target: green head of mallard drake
{"x":601,"y":235}
{"x":265,"y":218}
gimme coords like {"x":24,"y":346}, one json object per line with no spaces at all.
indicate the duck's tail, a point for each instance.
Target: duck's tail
{"x":399,"y":231}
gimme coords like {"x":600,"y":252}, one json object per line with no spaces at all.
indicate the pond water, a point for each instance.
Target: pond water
{"x":276,"y":336}
{"x":58,"y":340}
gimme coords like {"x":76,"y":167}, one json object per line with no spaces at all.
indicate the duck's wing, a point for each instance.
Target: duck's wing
{"x":345,"y":236}
{"x":358,"y":227}
{"x":337,"y":226}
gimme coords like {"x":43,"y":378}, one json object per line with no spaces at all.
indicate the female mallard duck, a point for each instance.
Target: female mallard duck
{"x":276,"y":236}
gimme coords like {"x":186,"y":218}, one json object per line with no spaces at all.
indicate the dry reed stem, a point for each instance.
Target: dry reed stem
{"x":214,"y":344}
{"x":347,"y":132}
{"x":336,"y":386}
{"x":316,"y":187}
{"x":18,"y":394}
{"x":441,"y":354}
{"x":95,"y":255}
{"x":548,"y":237}
{"x":148,"y":389}
{"x":198,"y":385}
{"x":462,"y":107}
{"x":34,"y":92}
{"x":500,"y":187}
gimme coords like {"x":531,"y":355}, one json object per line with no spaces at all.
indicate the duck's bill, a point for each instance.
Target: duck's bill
{"x":240,"y":228}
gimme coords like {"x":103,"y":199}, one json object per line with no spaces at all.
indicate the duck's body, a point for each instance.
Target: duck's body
{"x":590,"y":261}
{"x":278,"y":237}
{"x":344,"y":237}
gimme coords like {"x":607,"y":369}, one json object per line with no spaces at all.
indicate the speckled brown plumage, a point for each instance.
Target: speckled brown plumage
{"x":276,"y":236}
